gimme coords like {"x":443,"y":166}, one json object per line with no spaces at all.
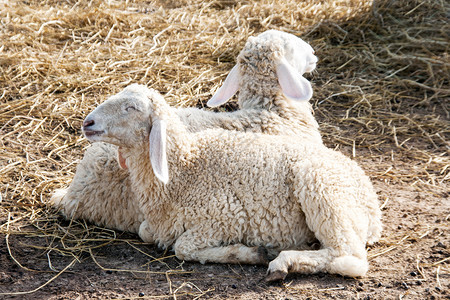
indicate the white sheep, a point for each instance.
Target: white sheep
{"x":269,"y":74}
{"x":225,"y":196}
{"x":100,"y":191}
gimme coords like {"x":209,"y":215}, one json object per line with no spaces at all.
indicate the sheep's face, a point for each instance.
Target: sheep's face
{"x":131,"y":119}
{"x":123,"y":119}
{"x":300,"y":55}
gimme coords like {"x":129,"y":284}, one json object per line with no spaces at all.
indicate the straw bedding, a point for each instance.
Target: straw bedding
{"x":381,"y":90}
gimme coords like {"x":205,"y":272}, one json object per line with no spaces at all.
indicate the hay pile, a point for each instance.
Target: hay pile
{"x":381,"y":87}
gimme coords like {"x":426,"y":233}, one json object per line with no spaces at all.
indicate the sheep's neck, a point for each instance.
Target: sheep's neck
{"x":142,"y":177}
{"x":151,"y":189}
{"x":267,"y":94}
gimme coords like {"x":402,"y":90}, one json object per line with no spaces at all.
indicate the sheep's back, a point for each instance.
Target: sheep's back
{"x":248,"y":185}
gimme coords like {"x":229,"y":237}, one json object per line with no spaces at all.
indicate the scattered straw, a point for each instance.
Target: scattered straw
{"x":43,"y":285}
{"x":135,"y":271}
{"x":381,"y":89}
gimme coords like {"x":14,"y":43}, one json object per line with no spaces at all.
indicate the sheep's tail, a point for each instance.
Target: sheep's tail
{"x":57,"y":197}
{"x":349,"y":266}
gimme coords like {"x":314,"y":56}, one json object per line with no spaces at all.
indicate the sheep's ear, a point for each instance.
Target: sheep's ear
{"x":292,"y":83}
{"x":227,"y":90}
{"x":157,"y":153}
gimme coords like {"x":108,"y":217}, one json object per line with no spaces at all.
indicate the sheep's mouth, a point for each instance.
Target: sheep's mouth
{"x":90,"y":133}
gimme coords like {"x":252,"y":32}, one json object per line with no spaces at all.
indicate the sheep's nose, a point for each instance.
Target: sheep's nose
{"x":88,"y":123}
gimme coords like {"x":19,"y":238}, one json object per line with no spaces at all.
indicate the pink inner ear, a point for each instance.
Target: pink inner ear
{"x":227,"y":90}
{"x":122,"y":160}
{"x":292,"y":83}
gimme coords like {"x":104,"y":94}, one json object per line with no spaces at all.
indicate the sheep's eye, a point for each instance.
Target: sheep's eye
{"x":130,"y":108}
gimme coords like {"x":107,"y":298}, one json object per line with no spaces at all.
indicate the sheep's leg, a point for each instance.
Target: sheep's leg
{"x":343,"y":252}
{"x":310,"y":262}
{"x":339,"y":225}
{"x":194,"y":247}
{"x":146,"y":233}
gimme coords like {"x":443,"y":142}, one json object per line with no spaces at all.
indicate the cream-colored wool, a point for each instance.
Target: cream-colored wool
{"x":102,"y":197}
{"x":100,"y":191}
{"x":229,"y":195}
{"x":106,"y":202}
{"x":262,"y":67}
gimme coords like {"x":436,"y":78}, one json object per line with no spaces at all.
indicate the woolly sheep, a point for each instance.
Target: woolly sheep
{"x":269,"y":74}
{"x":100,"y":191}
{"x":227,"y":197}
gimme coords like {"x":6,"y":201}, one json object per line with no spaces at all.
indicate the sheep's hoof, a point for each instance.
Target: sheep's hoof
{"x":275,"y":276}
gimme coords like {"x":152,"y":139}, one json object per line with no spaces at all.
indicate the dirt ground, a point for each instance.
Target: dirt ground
{"x":381,"y":96}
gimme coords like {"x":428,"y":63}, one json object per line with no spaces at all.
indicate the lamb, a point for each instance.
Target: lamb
{"x":235,"y":197}
{"x":100,"y":191}
{"x":269,"y":75}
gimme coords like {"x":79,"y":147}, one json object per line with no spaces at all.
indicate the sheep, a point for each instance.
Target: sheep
{"x":239,"y":197}
{"x":269,"y":74}
{"x":100,"y":191}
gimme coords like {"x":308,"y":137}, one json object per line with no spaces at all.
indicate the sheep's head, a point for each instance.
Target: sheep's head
{"x":122,"y":120}
{"x":288,"y":56}
{"x":129,"y":119}
{"x":298,"y":53}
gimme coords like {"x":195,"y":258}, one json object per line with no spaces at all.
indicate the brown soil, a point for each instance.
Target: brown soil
{"x":381,"y":96}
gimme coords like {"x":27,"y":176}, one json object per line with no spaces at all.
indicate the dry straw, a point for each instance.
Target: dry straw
{"x":381,"y":88}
